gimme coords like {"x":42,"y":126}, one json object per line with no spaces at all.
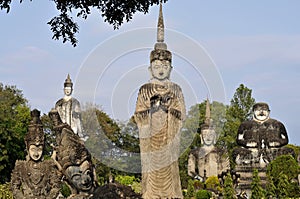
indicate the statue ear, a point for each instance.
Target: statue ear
{"x":150,"y":71}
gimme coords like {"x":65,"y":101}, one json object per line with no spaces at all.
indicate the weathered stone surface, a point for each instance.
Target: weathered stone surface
{"x":34,"y":178}
{"x":69,"y":109}
{"x":208,"y":160}
{"x":73,"y":159}
{"x":260,"y":141}
{"x":159,"y":113}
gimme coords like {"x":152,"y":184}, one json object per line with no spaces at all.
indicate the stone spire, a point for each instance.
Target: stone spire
{"x":160,"y":31}
{"x":207,"y":113}
{"x":160,"y":49}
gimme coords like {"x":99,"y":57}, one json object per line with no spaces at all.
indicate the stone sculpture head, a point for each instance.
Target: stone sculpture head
{"x":160,"y":66}
{"x":160,"y":58}
{"x":34,"y":139}
{"x":208,"y":135}
{"x":81,"y":176}
{"x":68,"y":86}
{"x":261,"y":112}
{"x":73,"y":158}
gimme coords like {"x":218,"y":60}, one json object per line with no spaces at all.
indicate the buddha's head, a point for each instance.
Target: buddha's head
{"x":68,"y":86}
{"x":208,"y":135}
{"x":261,"y":112}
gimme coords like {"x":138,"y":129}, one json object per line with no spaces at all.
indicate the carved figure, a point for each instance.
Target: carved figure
{"x":73,"y":160}
{"x":261,"y":139}
{"x":69,"y":109}
{"x":159,"y":113}
{"x":207,"y":160}
{"x":34,"y":178}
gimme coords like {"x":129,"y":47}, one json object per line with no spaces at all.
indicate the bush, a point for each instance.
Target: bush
{"x":5,"y":192}
{"x":203,"y":194}
{"x":126,"y":180}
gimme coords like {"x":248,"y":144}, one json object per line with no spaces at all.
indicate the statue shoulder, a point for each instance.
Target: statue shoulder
{"x":247,"y":124}
{"x":146,"y":86}
{"x":20,"y":163}
{"x":75,"y":101}
{"x":59,"y":102}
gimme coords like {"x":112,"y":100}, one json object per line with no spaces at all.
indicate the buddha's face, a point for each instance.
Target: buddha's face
{"x":68,"y":91}
{"x":81,"y":176}
{"x":208,"y":136}
{"x":261,"y":113}
{"x":160,"y":69}
{"x":35,"y":152}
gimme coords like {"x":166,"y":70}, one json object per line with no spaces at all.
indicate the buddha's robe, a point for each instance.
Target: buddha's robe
{"x":159,"y":113}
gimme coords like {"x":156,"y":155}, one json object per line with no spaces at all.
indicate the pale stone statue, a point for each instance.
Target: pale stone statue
{"x":159,"y":113}
{"x":69,"y":108}
{"x":35,"y":178}
{"x":73,"y":160}
{"x":208,"y":160}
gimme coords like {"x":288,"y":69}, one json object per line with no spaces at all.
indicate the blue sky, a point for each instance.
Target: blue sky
{"x":256,"y":43}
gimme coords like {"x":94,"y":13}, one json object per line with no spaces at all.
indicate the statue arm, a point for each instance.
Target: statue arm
{"x":242,"y":140}
{"x":142,"y":109}
{"x":178,"y":109}
{"x":281,"y":139}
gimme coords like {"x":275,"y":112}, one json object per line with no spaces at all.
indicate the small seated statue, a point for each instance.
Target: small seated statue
{"x":207,"y":160}
{"x":261,"y":139}
{"x":35,"y":178}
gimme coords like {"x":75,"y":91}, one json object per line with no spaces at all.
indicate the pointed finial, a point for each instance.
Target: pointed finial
{"x":160,"y":30}
{"x":160,"y":25}
{"x":68,"y":82}
{"x":207,"y":112}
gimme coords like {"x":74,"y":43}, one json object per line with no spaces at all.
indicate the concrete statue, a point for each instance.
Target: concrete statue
{"x":260,"y":141}
{"x":207,"y":160}
{"x":35,"y":178}
{"x":159,"y":113}
{"x":73,"y":160}
{"x":69,"y":109}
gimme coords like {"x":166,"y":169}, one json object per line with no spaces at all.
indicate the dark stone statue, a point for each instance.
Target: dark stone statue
{"x":34,"y":178}
{"x":261,"y":139}
{"x":75,"y":163}
{"x":73,"y":160}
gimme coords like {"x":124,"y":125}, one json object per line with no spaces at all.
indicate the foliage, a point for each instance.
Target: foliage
{"x":65,"y":190}
{"x":240,"y":109}
{"x":14,"y":119}
{"x":213,"y":183}
{"x":256,"y":189}
{"x":109,"y":142}
{"x":136,"y":187}
{"x":203,"y":194}
{"x":49,"y":135}
{"x":228,"y":189}
{"x":126,"y":180}
{"x":282,"y":176}
{"x":190,"y":189}
{"x":5,"y":192}
{"x":115,"y":13}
